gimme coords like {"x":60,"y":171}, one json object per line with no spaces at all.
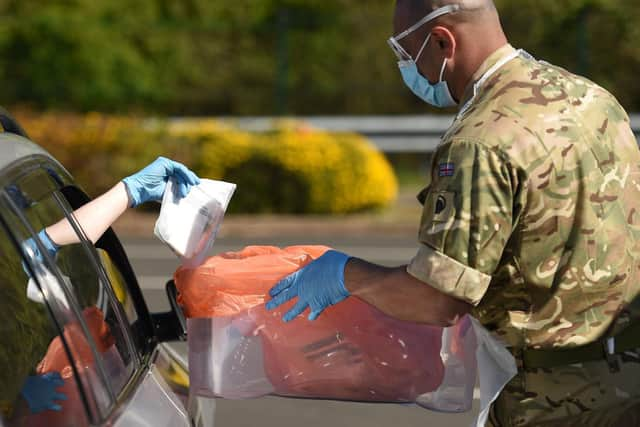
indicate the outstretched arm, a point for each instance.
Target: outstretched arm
{"x":95,"y":217}
{"x":146,"y":185}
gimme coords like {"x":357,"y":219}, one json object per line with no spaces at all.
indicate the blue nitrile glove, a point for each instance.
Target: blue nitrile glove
{"x":48,"y":244}
{"x":40,"y":392}
{"x":149,"y":184}
{"x":318,"y":285}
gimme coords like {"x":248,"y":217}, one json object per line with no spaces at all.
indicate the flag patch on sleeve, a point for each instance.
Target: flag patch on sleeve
{"x":446,"y":169}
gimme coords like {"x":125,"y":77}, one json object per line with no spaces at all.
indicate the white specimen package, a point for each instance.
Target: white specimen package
{"x":188,"y":225}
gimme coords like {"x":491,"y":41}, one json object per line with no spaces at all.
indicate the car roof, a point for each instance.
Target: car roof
{"x":14,"y":147}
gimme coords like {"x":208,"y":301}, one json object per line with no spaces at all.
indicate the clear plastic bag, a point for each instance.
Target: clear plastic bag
{"x":189,"y":225}
{"x":238,"y":349}
{"x":351,"y":352}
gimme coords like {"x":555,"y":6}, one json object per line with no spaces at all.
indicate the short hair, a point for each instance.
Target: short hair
{"x":465,"y":5}
{"x":468,"y":8}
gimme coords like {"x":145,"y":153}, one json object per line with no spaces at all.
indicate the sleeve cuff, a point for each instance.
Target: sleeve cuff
{"x":448,"y":275}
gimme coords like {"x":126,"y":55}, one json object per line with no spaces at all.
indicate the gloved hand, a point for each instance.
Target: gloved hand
{"x":51,"y":247}
{"x":33,"y":291}
{"x":149,"y":184}
{"x":40,"y":392}
{"x":317,"y":285}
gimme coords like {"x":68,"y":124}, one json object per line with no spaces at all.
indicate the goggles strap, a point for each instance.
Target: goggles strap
{"x":430,"y":17}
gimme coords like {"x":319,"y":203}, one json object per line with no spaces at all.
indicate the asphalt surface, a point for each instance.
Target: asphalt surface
{"x":154,"y":264}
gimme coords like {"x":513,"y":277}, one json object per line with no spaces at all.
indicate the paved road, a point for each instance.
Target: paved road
{"x":154,"y":263}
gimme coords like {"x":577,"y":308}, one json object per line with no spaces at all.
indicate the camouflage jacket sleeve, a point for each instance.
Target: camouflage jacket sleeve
{"x":467,"y":219}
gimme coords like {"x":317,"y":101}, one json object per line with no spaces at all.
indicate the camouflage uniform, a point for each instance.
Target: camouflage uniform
{"x":533,"y":216}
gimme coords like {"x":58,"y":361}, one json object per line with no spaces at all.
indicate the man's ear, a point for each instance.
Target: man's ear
{"x":444,"y":40}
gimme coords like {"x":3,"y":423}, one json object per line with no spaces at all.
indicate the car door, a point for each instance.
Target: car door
{"x":40,"y":381}
{"x":99,"y":337}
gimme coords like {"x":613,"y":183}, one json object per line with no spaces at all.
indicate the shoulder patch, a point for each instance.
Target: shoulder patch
{"x":446,"y":169}
{"x":443,"y":206}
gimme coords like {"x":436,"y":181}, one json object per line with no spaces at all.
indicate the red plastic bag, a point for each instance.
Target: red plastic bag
{"x":351,"y":352}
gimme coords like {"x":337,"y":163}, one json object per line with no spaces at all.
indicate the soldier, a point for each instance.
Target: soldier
{"x":531,"y":221}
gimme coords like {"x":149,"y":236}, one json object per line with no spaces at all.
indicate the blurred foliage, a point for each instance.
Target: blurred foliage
{"x":270,"y":56}
{"x":97,"y":149}
{"x":294,"y":169}
{"x":596,"y":38}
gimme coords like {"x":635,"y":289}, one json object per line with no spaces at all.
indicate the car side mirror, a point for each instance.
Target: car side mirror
{"x":171,"y":325}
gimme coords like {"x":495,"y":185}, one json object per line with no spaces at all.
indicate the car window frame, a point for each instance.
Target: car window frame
{"x":53,"y":307}
{"x":64,"y":186}
{"x":76,"y":197}
{"x":90,"y":250}
{"x":110,"y":243}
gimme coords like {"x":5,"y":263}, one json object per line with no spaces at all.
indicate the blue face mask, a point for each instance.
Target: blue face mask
{"x":437,"y":94}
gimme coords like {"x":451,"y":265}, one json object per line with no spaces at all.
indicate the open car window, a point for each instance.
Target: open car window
{"x":110,"y":254}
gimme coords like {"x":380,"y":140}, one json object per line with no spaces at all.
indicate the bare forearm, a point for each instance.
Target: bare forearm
{"x":95,"y":217}
{"x":400,"y":295}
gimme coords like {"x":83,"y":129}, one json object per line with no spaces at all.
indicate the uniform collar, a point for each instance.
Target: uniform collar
{"x":491,"y":60}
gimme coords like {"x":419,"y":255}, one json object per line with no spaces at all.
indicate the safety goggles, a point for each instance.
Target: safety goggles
{"x":394,"y":41}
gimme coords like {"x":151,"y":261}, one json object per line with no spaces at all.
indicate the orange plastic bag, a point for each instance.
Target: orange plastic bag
{"x":56,"y":359}
{"x":351,"y":352}
{"x":231,"y":282}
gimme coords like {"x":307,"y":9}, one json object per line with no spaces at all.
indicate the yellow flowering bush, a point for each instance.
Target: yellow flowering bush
{"x":219,"y":146}
{"x":293,"y":169}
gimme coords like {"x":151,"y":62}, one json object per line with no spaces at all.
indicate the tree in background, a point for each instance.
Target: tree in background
{"x":242,"y":57}
{"x":76,"y":54}
{"x":599,"y":39}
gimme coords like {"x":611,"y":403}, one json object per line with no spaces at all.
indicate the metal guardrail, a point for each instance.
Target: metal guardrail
{"x":391,"y":134}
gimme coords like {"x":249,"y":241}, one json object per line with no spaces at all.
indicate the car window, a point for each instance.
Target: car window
{"x":111,"y":255}
{"x":93,"y":297}
{"x":101,"y":317}
{"x":38,"y":381}
{"x":119,"y":285}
